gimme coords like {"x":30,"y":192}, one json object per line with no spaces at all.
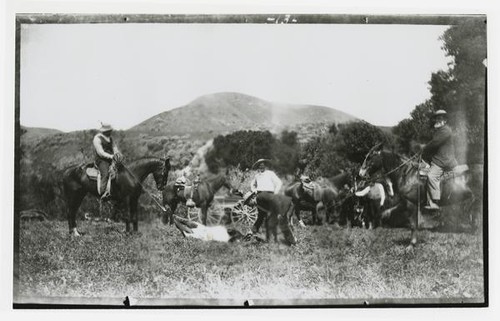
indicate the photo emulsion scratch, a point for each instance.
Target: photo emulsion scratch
{"x":250,"y":160}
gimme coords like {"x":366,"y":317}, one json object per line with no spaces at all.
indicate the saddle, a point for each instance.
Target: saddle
{"x":92,"y":171}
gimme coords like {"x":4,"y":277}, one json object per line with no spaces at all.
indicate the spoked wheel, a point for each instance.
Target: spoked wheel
{"x":215,"y":214}
{"x":193,"y":214}
{"x":245,"y":215}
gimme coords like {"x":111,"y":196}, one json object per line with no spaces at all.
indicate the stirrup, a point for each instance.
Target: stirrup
{"x":432,"y":207}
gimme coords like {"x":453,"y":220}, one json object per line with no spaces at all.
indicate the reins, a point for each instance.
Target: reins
{"x":404,"y":163}
{"x":144,"y":188}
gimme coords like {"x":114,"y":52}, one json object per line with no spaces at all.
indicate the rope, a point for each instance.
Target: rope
{"x":404,"y":163}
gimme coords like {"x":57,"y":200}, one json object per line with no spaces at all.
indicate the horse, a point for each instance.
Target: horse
{"x":371,"y":198}
{"x":126,"y":187}
{"x":276,"y":210}
{"x":312,"y":197}
{"x":404,"y":173}
{"x":203,"y":194}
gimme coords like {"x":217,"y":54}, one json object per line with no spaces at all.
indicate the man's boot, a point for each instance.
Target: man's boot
{"x":107,"y":193}
{"x":432,"y":206}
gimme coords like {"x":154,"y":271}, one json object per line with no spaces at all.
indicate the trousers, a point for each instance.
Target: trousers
{"x":433,"y":182}
{"x":103,"y":167}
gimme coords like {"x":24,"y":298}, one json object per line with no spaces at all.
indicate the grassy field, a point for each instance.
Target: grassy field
{"x":326,"y":264}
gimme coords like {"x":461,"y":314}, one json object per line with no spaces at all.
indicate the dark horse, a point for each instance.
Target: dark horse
{"x":313,"y":198}
{"x":126,"y":187}
{"x":319,"y":196}
{"x":404,"y":174}
{"x":202,"y":195}
{"x":274,"y":210}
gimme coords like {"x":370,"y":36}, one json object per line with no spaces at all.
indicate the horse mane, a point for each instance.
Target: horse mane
{"x":392,"y":160}
{"x":144,"y":160}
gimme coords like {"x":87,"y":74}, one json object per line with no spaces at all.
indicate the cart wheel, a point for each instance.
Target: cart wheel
{"x":244,"y":214}
{"x":193,"y":214}
{"x":215,"y":214}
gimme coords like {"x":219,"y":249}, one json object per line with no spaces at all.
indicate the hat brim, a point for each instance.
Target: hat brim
{"x":260,"y":161}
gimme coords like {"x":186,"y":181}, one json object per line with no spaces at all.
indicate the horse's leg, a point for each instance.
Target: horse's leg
{"x":377,"y":215}
{"x":314,"y":214}
{"x":171,"y":214}
{"x":204,"y":210}
{"x":370,"y":213}
{"x":133,"y":212}
{"x":413,"y":211}
{"x":296,"y":210}
{"x":319,"y":213}
{"x":74,"y":200}
{"x":127,"y":216}
{"x":267,"y":227}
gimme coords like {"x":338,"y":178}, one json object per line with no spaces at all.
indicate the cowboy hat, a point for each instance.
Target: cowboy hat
{"x":439,"y":112}
{"x":262,"y":160}
{"x":105,"y":128}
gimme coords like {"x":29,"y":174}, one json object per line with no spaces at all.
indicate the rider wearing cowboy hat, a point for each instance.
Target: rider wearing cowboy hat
{"x":264,"y":183}
{"x":440,"y":152}
{"x":105,"y":152}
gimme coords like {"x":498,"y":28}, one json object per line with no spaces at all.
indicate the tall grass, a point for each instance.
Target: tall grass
{"x":326,"y":264}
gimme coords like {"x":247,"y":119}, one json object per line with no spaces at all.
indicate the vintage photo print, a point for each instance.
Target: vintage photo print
{"x":250,"y":160}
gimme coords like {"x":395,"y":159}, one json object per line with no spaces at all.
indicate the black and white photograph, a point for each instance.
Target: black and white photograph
{"x":250,"y":160}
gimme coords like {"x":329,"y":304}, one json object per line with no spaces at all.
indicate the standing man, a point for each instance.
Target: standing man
{"x":265,"y":184}
{"x":440,"y":153}
{"x":105,"y":152}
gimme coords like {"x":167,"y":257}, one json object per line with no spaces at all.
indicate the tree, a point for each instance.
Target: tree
{"x":414,"y":129}
{"x":342,"y":148}
{"x":357,"y":138}
{"x":461,"y":90}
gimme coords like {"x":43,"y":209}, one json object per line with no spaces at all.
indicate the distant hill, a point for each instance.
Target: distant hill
{"x":224,"y":113}
{"x":37,"y":132}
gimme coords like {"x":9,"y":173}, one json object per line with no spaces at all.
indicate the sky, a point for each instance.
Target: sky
{"x":74,"y":76}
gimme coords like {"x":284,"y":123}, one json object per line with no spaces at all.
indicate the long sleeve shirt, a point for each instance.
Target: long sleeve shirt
{"x":267,"y":181}
{"x":104,"y":146}
{"x":440,"y":150}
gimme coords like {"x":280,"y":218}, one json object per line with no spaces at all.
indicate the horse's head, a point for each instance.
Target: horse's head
{"x":161,"y":173}
{"x":373,"y":162}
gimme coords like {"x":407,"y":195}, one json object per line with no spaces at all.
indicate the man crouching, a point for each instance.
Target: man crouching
{"x":276,"y":210}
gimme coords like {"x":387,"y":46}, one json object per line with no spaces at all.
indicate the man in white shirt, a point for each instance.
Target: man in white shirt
{"x":105,"y":151}
{"x":264,"y":184}
{"x":265,"y":180}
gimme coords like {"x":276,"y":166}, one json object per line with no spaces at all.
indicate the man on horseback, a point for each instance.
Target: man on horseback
{"x":106,"y":154}
{"x":440,"y":153}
